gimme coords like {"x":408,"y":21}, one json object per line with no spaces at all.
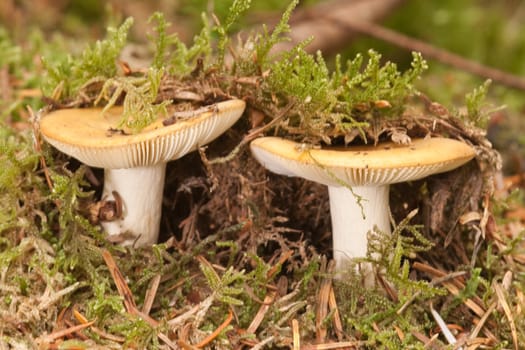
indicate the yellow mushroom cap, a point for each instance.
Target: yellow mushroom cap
{"x":383,"y":164}
{"x":85,"y":134}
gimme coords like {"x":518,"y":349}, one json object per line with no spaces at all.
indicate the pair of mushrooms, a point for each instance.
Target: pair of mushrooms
{"x":135,"y":168}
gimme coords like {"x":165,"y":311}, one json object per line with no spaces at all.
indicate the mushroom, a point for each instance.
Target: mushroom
{"x":358,"y":179}
{"x":134,"y":164}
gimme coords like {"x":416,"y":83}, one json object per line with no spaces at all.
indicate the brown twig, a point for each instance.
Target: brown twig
{"x":323,"y":298}
{"x":338,"y":324}
{"x":430,"y":51}
{"x":296,"y":335}
{"x":331,"y":346}
{"x":453,"y":287}
{"x":83,"y":320}
{"x":127,"y":295}
{"x":307,"y":23}
{"x":78,"y":334}
{"x":263,"y":309}
{"x":120,"y":283}
{"x":508,"y":312}
{"x":276,"y":267}
{"x":481,"y":323}
{"x":435,"y":281}
{"x":216,"y":332}
{"x":400,"y":333}
{"x":124,"y":291}
{"x":150,"y":294}
{"x":62,"y":333}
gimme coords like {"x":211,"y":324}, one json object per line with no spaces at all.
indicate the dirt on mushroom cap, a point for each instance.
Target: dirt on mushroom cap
{"x":83,"y":134}
{"x":385,"y":163}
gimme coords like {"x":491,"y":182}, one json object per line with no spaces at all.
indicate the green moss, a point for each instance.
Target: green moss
{"x":325,"y":105}
{"x":97,"y":62}
{"x":10,"y":54}
{"x":93,"y":78}
{"x":329,"y":105}
{"x":139,"y":106}
{"x":20,"y":185}
{"x":475,"y":102}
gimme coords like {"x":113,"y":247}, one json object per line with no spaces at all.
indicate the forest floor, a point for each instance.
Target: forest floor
{"x":245,"y":255}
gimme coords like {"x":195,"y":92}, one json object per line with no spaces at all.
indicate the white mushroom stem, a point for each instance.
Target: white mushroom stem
{"x":351,"y":220}
{"x":140,"y":190}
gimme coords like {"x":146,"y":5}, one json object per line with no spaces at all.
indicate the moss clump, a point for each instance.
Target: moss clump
{"x":330,"y":106}
{"x":325,"y":106}
{"x":66,"y":78}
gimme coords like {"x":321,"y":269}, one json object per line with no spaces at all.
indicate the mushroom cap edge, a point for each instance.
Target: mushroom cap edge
{"x":383,"y":164}
{"x":83,"y":134}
